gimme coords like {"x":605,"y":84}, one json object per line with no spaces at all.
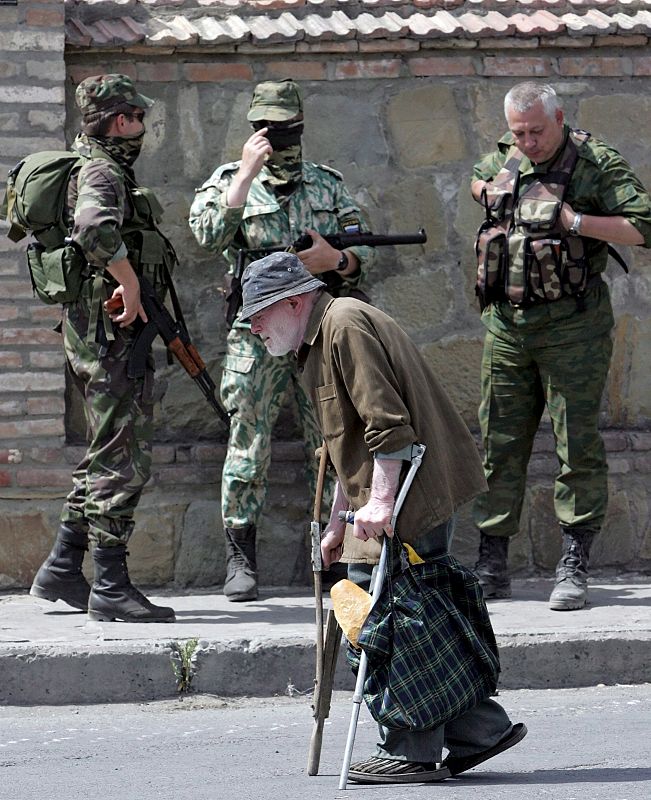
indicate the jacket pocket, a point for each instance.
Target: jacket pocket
{"x":329,"y":411}
{"x":241,"y":364}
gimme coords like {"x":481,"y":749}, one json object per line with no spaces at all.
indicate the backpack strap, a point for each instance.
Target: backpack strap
{"x":96,"y":332}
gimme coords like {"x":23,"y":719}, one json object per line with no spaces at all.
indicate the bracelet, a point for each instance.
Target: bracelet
{"x":575,"y":227}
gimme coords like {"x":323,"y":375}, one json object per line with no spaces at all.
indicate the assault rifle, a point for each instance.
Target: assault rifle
{"x":340,"y":241}
{"x":175,"y":335}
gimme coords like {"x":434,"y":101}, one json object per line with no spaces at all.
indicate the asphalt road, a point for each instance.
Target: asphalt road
{"x":583,"y":743}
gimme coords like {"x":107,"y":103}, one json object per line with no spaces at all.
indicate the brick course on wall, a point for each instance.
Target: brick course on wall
{"x":405,"y":117}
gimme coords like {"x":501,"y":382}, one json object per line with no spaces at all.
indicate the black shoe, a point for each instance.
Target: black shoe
{"x":459,"y":764}
{"x":60,"y":576}
{"x":241,"y":582}
{"x":492,"y":568}
{"x":114,"y":597}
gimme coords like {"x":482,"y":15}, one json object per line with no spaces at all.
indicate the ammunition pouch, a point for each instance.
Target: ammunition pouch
{"x":490,"y":249}
{"x":497,"y":202}
{"x":556,"y":268}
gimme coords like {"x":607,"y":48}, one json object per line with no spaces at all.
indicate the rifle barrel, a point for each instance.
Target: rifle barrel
{"x":381,"y":239}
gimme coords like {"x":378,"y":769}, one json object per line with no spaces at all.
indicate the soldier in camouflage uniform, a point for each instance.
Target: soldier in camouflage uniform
{"x":112,"y":222}
{"x":549,"y":321}
{"x":268,"y":199}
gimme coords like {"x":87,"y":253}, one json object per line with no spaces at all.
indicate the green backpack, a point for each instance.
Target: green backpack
{"x":34,"y":203}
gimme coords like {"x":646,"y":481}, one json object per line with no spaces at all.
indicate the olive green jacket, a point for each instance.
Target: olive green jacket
{"x":373,"y":392}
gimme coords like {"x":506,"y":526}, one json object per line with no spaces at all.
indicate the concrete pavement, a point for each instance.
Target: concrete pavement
{"x":52,"y":655}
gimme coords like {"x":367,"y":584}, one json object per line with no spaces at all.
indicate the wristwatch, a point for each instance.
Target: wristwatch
{"x":343,"y":262}
{"x":575,"y":227}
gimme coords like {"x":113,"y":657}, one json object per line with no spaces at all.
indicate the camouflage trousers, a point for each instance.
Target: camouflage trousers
{"x":255,"y":383}
{"x":109,"y":480}
{"x":517,"y":382}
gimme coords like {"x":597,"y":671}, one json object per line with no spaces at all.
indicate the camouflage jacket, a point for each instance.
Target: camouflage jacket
{"x":321,"y":202}
{"x":110,"y":217}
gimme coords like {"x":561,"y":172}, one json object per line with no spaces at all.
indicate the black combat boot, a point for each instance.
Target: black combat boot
{"x":241,"y":577}
{"x":113,"y":596}
{"x":571,"y":589}
{"x":492,"y":568}
{"x":60,"y":576}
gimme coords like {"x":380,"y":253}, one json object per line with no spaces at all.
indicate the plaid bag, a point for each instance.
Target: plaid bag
{"x":430,"y":645}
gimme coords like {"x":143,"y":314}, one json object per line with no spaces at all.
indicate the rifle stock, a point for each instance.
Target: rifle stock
{"x":176,"y":338}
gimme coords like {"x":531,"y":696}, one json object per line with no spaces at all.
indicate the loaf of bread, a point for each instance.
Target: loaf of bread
{"x":351,"y":605}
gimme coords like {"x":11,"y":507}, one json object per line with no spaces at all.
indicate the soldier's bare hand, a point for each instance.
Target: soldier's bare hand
{"x":254,"y":153}
{"x":131,"y":306}
{"x":321,"y":257}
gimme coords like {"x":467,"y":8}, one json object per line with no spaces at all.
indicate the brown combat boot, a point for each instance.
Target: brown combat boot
{"x":241,"y":582}
{"x":60,"y":576}
{"x":492,"y":568}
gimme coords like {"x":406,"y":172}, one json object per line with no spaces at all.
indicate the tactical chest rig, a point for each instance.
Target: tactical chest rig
{"x":524,"y":256}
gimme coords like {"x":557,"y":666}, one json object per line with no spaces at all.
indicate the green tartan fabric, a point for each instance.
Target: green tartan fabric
{"x":430,"y":646}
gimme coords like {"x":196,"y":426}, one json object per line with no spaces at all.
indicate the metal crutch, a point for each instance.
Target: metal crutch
{"x":416,"y":458}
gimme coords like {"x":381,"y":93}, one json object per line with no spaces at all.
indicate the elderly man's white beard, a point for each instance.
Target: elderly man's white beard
{"x":279,"y":348}
{"x":283,"y":338}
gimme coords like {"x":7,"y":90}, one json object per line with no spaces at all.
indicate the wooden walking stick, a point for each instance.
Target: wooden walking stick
{"x":326,"y":651}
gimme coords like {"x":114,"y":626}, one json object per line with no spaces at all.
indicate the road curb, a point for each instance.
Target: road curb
{"x":60,"y":674}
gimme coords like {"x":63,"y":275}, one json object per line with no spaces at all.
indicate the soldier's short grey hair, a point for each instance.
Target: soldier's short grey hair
{"x":524,"y":96}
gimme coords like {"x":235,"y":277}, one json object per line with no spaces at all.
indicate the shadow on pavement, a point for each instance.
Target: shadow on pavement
{"x":557,"y":776}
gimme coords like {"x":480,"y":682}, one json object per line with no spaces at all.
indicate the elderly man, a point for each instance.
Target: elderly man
{"x":374,"y":396}
{"x":554,"y":199}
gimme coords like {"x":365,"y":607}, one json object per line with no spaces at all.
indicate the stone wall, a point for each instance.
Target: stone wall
{"x":405,"y":129}
{"x":32,"y":117}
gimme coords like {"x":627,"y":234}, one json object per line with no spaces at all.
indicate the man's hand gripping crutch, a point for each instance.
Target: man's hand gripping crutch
{"x":378,"y":516}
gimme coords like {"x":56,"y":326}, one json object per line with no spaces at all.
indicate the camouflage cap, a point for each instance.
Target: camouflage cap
{"x":276,"y":101}
{"x":273,"y":278}
{"x":102,"y":92}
